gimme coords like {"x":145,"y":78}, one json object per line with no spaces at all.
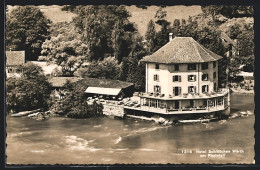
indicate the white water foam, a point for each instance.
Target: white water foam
{"x":123,"y":149}
{"x":241,"y":114}
{"x":76,"y":143}
{"x":20,"y":134}
{"x":147,"y":149}
{"x":143,"y":130}
{"x":118,"y":140}
{"x":37,"y":151}
{"x":97,"y":126}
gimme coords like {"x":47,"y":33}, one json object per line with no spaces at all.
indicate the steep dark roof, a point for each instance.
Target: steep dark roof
{"x":60,"y":81}
{"x":106,"y":83}
{"x":14,"y":58}
{"x":182,"y":50}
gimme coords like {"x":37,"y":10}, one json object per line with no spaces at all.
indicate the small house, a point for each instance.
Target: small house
{"x":13,"y":60}
{"x":105,"y":88}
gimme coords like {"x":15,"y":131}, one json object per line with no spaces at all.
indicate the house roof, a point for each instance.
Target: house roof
{"x":182,"y":50}
{"x":245,"y":74}
{"x":102,"y":90}
{"x":14,"y":58}
{"x":105,"y":83}
{"x":60,"y":81}
{"x":46,"y":67}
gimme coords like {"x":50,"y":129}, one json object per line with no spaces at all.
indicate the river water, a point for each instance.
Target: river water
{"x":109,"y":141}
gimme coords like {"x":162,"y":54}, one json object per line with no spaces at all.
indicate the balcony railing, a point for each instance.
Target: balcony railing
{"x":220,"y":92}
{"x":198,"y":109}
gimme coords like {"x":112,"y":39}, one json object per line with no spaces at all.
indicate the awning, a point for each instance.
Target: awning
{"x":104,"y":91}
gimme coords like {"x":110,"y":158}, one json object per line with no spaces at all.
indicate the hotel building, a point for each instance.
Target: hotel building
{"x":182,"y":78}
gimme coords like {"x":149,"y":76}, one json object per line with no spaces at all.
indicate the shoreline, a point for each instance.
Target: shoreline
{"x":236,"y":91}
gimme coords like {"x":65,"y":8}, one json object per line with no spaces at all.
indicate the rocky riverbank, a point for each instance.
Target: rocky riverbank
{"x":42,"y":115}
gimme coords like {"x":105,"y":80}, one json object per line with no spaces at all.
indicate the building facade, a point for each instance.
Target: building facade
{"x":182,"y":77}
{"x":13,"y":60}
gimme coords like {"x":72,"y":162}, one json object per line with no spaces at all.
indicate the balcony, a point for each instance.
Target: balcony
{"x":219,"y":93}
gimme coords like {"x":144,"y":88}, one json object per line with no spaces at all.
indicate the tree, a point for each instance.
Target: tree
{"x":117,"y":39}
{"x":28,"y":92}
{"x":70,"y":8}
{"x":234,"y":31}
{"x":246,"y":48}
{"x":141,"y":6}
{"x":107,"y":68}
{"x":228,"y":11}
{"x":74,"y":104}
{"x":105,"y":29}
{"x":162,"y":35}
{"x":135,"y":73}
{"x":176,"y":27}
{"x":211,"y":10}
{"x":150,"y":36}
{"x":69,"y":54}
{"x":26,"y":29}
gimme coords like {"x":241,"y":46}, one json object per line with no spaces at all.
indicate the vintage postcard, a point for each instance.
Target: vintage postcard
{"x":116,"y":84}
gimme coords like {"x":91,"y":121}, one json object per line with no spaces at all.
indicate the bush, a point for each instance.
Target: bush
{"x":74,"y":104}
{"x":28,"y":92}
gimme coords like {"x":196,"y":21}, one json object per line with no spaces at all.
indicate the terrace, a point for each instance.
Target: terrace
{"x":184,"y":96}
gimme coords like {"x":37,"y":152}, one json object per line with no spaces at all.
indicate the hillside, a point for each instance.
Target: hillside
{"x":55,"y":14}
{"x":142,"y":16}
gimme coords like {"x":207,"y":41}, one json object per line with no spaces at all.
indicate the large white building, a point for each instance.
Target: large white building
{"x":182,"y":77}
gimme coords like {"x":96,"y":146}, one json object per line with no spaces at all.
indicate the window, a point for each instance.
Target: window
{"x":191,"y":66}
{"x":157,"y":66}
{"x":214,"y":75}
{"x":157,"y":89}
{"x":176,"y":91}
{"x":214,"y":64}
{"x":176,"y":67}
{"x":205,"y":77}
{"x":191,"y":77}
{"x":192,"y":89}
{"x":176,"y":78}
{"x":205,"y":88}
{"x":204,"y":66}
{"x":156,"y":77}
{"x":215,"y":86}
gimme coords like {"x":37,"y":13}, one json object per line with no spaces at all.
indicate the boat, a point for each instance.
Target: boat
{"x":25,"y":113}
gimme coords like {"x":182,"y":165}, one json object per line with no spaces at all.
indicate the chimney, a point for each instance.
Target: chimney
{"x":170,"y":36}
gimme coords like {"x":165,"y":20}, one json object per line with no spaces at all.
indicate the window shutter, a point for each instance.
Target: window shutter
{"x":188,"y":77}
{"x":179,"y":88}
{"x":159,"y":89}
{"x":173,"y":78}
{"x":173,"y":91}
{"x":154,"y":78}
{"x":207,"y":88}
{"x":157,"y":77}
{"x":194,"y":77}
{"x":179,"y":78}
{"x":194,"y":89}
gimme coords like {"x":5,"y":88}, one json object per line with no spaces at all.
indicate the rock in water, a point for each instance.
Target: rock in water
{"x":161,"y":120}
